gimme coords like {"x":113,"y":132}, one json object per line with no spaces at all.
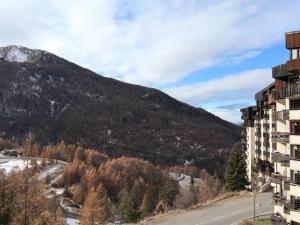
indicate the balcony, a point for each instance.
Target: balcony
{"x":287,"y":207}
{"x":258,"y":143}
{"x":293,"y":65}
{"x":276,"y":178}
{"x":288,"y":90}
{"x":286,"y":184}
{"x":284,"y":159}
{"x":278,"y":199}
{"x":277,"y":219}
{"x":243,"y":133}
{"x":256,"y":117}
{"x":265,"y":105}
{"x":243,"y":141}
{"x":292,"y":39}
{"x":265,"y":116}
{"x":266,"y":125}
{"x":280,"y":71}
{"x":266,"y":153}
{"x":266,"y":143}
{"x":258,"y":134}
{"x":258,"y":151}
{"x":258,"y":125}
{"x":274,"y":146}
{"x":282,"y":137}
{"x":280,"y":115}
{"x":244,"y":147}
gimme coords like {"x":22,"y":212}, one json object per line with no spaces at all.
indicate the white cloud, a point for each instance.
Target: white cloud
{"x":214,"y":94}
{"x":148,"y":42}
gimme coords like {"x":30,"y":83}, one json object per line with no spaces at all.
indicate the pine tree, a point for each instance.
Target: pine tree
{"x":236,"y":178}
{"x":146,"y":207}
{"x":67,"y":193}
{"x":128,"y":208}
{"x":168,"y":192}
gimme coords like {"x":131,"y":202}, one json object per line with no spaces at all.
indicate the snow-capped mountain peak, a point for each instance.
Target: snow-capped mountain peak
{"x":14,"y":53}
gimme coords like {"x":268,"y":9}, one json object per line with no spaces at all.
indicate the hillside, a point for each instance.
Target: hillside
{"x":58,"y":100}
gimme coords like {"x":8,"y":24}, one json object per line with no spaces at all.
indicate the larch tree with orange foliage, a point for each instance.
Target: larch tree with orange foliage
{"x":92,"y":211}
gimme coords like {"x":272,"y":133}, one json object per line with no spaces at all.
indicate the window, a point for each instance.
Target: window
{"x":295,"y":104}
{"x":295,"y":151}
{"x":295,"y":200}
{"x":294,"y":53}
{"x":295,"y":176}
{"x":295,"y":127}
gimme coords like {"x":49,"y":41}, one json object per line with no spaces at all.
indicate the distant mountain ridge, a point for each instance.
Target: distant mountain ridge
{"x":58,"y":100}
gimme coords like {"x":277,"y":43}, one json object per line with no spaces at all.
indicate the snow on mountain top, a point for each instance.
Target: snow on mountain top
{"x":16,"y":55}
{"x":19,"y":54}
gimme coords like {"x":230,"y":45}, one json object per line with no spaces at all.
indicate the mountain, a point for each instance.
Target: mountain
{"x":58,"y":100}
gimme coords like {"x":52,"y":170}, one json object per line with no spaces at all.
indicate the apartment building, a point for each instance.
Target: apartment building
{"x":271,"y":136}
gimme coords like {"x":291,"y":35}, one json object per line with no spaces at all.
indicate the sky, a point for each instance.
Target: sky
{"x":214,"y":54}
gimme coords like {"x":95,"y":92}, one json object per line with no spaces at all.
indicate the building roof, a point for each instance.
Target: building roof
{"x":259,"y":94}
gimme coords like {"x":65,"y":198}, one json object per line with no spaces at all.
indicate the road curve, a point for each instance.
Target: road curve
{"x":227,"y":212}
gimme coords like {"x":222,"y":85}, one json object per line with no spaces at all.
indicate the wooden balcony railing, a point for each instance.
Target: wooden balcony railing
{"x":280,"y":115}
{"x":293,"y":65}
{"x":287,"y":91}
{"x":280,"y":71}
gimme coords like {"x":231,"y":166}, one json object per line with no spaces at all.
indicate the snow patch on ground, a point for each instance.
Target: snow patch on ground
{"x":9,"y":165}
{"x":71,"y":221}
{"x":51,"y":170}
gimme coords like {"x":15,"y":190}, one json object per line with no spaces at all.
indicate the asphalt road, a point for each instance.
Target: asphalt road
{"x":227,"y":212}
